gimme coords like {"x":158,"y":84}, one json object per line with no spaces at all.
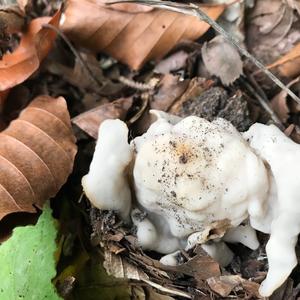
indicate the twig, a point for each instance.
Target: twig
{"x":135,"y":84}
{"x":264,"y":103}
{"x":193,"y":10}
{"x":257,"y":86}
{"x":76,"y":54}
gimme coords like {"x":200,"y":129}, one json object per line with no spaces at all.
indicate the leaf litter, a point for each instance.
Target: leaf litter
{"x":195,"y":72}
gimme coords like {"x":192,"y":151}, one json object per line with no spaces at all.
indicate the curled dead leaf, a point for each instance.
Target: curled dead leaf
{"x":33,"y":48}
{"x":129,"y":36}
{"x":223,"y":285}
{"x":222,"y":59}
{"x":12,"y":20}
{"x":90,"y":121}
{"x":280,"y":103}
{"x":289,"y":64}
{"x":37,"y":153}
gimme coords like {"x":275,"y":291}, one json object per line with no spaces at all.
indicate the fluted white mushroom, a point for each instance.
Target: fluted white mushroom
{"x":283,"y":158}
{"x":198,"y":182}
{"x":196,"y":173}
{"x":106,"y":183}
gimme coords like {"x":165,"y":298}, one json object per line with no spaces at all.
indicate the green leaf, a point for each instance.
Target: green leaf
{"x":27,"y":262}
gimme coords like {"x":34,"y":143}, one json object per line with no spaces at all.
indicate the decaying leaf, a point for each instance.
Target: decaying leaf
{"x":12,"y":20}
{"x":289,"y":64}
{"x":271,"y":29}
{"x":90,"y":121}
{"x":201,"y":266}
{"x":223,"y":285}
{"x":34,"y":46}
{"x":28,"y":262}
{"x":37,"y":153}
{"x":222,"y":59}
{"x":280,"y":105}
{"x":294,"y":4}
{"x":170,"y":89}
{"x":130,"y":34}
{"x":174,"y":62}
{"x":293,"y":131}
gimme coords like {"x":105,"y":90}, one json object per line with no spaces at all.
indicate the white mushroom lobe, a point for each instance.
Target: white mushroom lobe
{"x":197,"y":172}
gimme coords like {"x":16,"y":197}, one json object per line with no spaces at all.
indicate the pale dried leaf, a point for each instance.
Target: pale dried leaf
{"x":196,"y":86}
{"x":170,"y":89}
{"x":223,"y":285}
{"x":222,"y":59}
{"x":132,"y":38}
{"x":12,"y":19}
{"x":294,"y":4}
{"x":271,"y":30}
{"x":201,"y":266}
{"x":34,"y":46}
{"x":118,"y":267}
{"x":37,"y":153}
{"x":90,"y":121}
{"x":174,"y":62}
{"x":293,"y":131}
{"x":252,"y":288}
{"x":289,"y":64}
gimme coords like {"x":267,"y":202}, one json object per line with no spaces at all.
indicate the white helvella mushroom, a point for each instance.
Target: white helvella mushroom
{"x":282,"y":155}
{"x":106,"y":184}
{"x":196,"y":181}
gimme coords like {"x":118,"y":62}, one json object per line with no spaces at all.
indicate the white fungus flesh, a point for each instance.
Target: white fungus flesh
{"x":106,"y":183}
{"x":282,"y":156}
{"x":197,"y":172}
{"x":197,"y":182}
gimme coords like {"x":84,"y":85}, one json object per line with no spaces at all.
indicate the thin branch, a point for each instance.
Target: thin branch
{"x":193,"y":10}
{"x":76,"y":54}
{"x":263,"y":102}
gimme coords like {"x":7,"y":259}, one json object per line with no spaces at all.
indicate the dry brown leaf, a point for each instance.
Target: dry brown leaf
{"x":272,"y":30}
{"x":252,"y":288}
{"x":33,"y":48}
{"x":279,"y":103}
{"x":289,"y":64}
{"x":222,"y":59}
{"x":12,"y":20}
{"x":294,"y":4}
{"x":37,"y":153}
{"x":223,"y":285}
{"x":131,"y":37}
{"x":173,"y":62}
{"x":293,"y":131}
{"x":90,"y":121}
{"x":201,"y":266}
{"x":170,"y":89}
{"x":195,"y":88}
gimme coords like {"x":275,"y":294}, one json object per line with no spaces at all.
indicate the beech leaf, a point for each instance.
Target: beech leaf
{"x":133,"y":36}
{"x":37,"y":152}
{"x":34,"y":46}
{"x":90,"y":120}
{"x":27,"y":261}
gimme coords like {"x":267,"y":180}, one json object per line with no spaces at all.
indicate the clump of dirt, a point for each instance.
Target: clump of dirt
{"x":216,"y":103}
